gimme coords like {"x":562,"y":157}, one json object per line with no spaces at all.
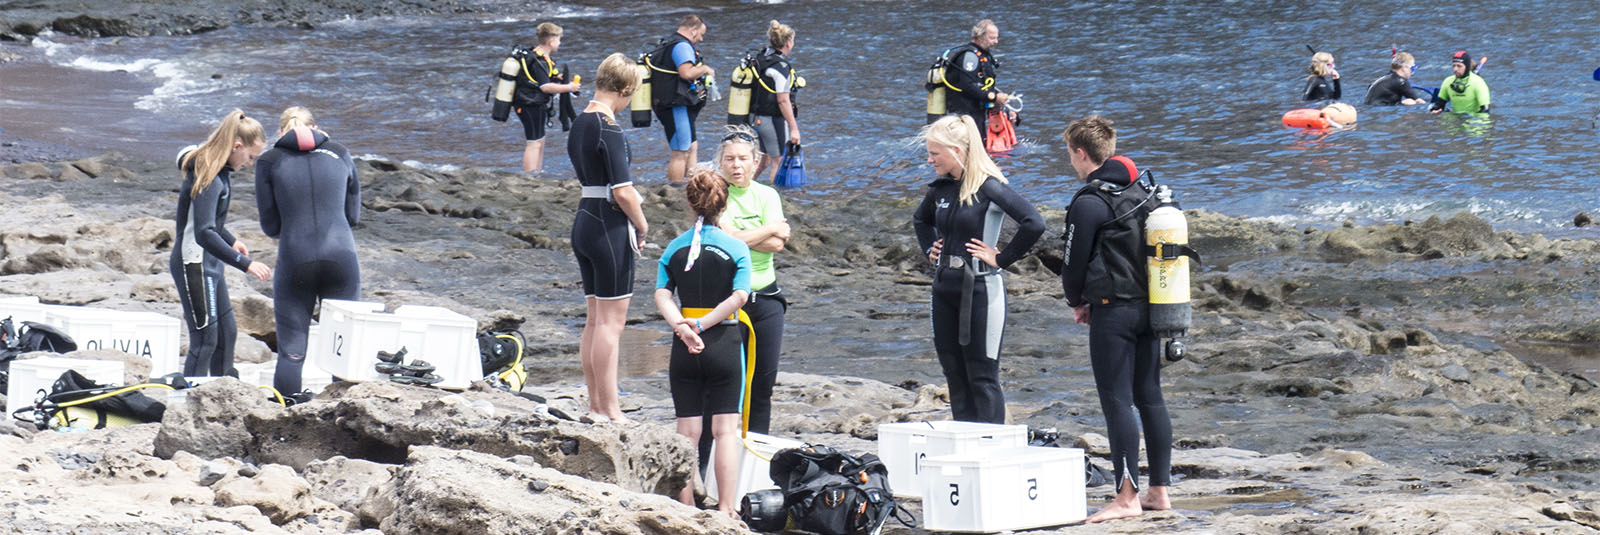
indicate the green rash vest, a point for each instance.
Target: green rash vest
{"x":749,"y":208}
{"x":1474,"y":95}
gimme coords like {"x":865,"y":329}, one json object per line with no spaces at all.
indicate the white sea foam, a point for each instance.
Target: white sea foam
{"x":446,"y":168}
{"x":92,"y":64}
{"x":51,"y":48}
{"x":177,"y":85}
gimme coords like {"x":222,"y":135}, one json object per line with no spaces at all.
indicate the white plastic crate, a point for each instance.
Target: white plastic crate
{"x":145,"y":334}
{"x":902,"y":445}
{"x":28,"y":376}
{"x":755,"y":462}
{"x":352,"y":333}
{"x":21,"y":308}
{"x":999,"y":490}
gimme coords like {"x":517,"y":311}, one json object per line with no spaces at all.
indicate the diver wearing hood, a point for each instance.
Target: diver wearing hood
{"x":1464,"y":91}
{"x":308,"y":197}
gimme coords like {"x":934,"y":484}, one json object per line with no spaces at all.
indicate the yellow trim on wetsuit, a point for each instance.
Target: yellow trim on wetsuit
{"x":750,"y":362}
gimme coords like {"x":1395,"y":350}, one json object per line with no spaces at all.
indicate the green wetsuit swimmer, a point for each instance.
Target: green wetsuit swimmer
{"x":1464,"y":91}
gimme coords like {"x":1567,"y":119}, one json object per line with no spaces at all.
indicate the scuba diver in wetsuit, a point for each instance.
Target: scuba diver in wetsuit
{"x":1318,"y":84}
{"x":204,"y":244}
{"x":958,"y":225}
{"x":1395,"y":87}
{"x":1105,"y":280}
{"x":1464,"y":91}
{"x":607,"y":231}
{"x":308,"y":197}
{"x":971,"y":75}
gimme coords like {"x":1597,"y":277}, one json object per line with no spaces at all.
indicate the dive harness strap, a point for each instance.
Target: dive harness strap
{"x":1171,"y":251}
{"x":970,"y":271}
{"x":749,"y":360}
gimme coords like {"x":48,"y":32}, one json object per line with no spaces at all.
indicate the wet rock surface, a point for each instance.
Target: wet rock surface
{"x":1370,"y":379}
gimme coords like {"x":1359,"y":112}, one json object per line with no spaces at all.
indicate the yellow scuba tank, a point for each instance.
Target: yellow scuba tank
{"x":1166,"y":234}
{"x":936,"y":95}
{"x":739,"y":96}
{"x":504,"y":87}
{"x":641,"y":97}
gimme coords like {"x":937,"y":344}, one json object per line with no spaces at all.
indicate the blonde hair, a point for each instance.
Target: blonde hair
{"x":779,"y":34}
{"x":737,"y":134}
{"x":616,"y":75}
{"x":961,"y":133}
{"x":207,"y":160}
{"x":1401,"y":60}
{"x":547,"y":31}
{"x":981,"y":28}
{"x":295,"y":116}
{"x":1095,"y":135}
{"x":1321,"y":64}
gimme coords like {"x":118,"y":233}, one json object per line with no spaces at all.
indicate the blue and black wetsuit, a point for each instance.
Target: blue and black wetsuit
{"x":203,"y":246}
{"x":309,"y":197}
{"x":603,"y":238}
{"x":1105,"y":268}
{"x":969,"y":298}
{"x":711,"y":382}
{"x":1320,"y":88}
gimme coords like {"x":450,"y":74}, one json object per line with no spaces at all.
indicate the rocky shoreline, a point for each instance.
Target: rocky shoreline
{"x":1341,"y":380}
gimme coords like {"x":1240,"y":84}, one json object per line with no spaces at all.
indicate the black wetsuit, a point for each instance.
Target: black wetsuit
{"x":308,"y":197}
{"x":712,"y":381}
{"x":968,"y":299}
{"x":602,"y":236}
{"x":971,"y":73}
{"x":1105,"y":268}
{"x":1390,"y":90}
{"x":533,"y":104}
{"x":202,"y":247}
{"x":1319,"y":88}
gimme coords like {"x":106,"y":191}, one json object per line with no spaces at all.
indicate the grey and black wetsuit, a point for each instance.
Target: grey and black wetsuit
{"x":602,"y":236}
{"x":308,"y":197}
{"x":203,"y":246}
{"x":1105,"y":268}
{"x":969,"y":298}
{"x":1319,"y":88}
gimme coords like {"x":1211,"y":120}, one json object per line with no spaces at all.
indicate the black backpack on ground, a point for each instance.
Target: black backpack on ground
{"x":31,"y":337}
{"x":834,"y":493}
{"x":74,"y":397}
{"x":500,"y":352}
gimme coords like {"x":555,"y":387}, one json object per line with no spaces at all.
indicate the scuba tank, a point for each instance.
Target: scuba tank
{"x":506,"y":84}
{"x":1166,"y":234}
{"x":739,"y":95}
{"x":641,"y":97}
{"x":935,"y":87}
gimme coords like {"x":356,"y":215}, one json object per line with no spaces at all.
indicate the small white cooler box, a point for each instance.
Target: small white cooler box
{"x":144,"y":334}
{"x":353,"y":332}
{"x":21,"y":308}
{"x":902,"y":445}
{"x":29,"y":376}
{"x":1007,"y":489}
{"x":755,"y":465}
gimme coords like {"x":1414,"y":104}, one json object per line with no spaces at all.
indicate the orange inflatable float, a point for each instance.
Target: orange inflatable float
{"x":1333,"y":116}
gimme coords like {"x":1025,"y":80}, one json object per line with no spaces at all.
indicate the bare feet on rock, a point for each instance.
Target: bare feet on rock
{"x":1115,"y":511}
{"x":1155,"y":499}
{"x":1126,"y":505}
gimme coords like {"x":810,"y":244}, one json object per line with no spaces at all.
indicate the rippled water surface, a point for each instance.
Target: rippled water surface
{"x":1196,"y":90}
